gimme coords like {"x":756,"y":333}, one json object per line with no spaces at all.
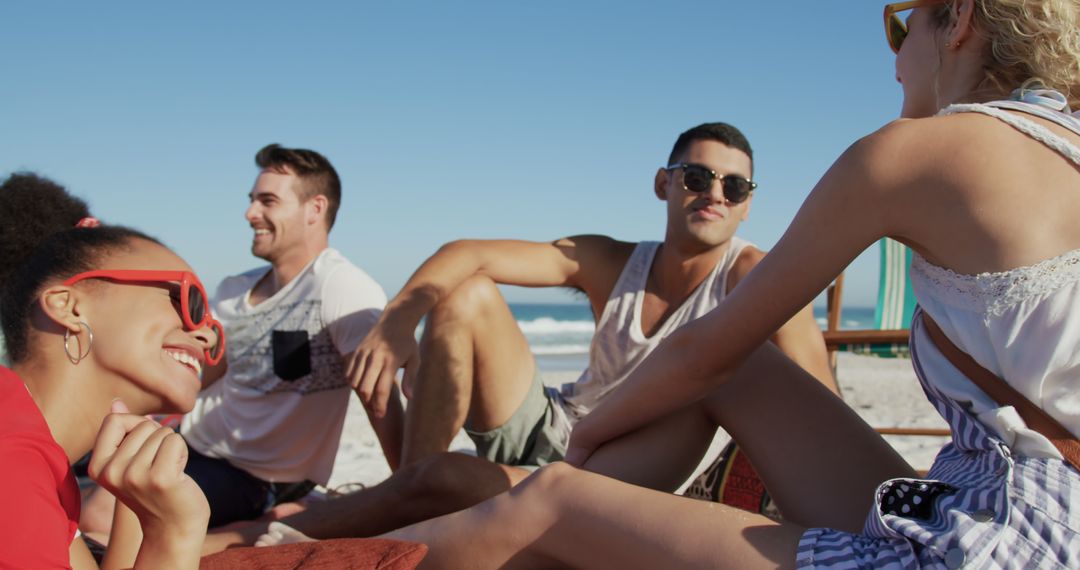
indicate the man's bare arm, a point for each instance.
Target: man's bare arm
{"x":570,"y":262}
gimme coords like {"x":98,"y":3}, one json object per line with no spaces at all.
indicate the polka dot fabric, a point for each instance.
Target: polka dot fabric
{"x":909,"y":498}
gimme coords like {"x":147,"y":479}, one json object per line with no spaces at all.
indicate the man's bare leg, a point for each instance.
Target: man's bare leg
{"x":440,"y":484}
{"x":475,"y":366}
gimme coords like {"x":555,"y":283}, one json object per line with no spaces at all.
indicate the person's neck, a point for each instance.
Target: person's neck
{"x":968,"y":82}
{"x":961,"y":95}
{"x":676,"y":271}
{"x":286,"y":268}
{"x":68,"y":400}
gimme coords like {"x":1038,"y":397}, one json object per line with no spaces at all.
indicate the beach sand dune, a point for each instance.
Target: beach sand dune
{"x":883,"y":391}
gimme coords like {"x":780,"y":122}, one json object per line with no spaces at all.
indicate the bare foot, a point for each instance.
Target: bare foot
{"x":281,"y":533}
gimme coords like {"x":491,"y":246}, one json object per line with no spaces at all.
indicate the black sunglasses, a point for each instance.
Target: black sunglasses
{"x":697,"y":178}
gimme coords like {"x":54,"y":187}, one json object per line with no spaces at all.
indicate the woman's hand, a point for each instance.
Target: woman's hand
{"x":142,"y":464}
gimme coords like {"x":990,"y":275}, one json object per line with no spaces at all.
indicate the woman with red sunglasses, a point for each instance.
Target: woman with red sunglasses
{"x":101,"y":324}
{"x":981,"y":180}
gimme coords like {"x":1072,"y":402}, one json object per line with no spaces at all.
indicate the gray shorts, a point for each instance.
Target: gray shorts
{"x":535,"y":435}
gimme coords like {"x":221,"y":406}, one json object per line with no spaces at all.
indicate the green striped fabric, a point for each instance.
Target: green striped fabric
{"x":896,"y":301}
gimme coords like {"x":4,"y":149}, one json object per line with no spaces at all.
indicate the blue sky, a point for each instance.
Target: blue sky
{"x":445,"y":120}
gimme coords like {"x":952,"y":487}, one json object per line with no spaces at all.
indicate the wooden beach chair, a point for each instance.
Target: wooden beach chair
{"x":892,"y":313}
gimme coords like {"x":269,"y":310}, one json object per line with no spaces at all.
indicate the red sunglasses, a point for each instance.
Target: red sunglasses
{"x":194,"y":303}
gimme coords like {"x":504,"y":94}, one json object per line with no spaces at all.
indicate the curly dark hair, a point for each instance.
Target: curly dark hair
{"x":315,"y":172}
{"x":40,"y":243}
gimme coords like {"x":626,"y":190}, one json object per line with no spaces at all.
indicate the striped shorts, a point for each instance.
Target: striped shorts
{"x":1003,"y":513}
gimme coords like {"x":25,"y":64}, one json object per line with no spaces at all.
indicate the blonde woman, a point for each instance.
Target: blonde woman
{"x":981,"y":179}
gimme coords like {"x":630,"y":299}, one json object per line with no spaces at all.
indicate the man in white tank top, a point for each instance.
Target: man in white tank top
{"x":472,"y":368}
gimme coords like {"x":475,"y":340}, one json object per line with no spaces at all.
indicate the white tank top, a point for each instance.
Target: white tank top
{"x":619,"y":344}
{"x":1022,"y":324}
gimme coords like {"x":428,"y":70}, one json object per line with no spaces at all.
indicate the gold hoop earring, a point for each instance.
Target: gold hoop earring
{"x":79,"y":356}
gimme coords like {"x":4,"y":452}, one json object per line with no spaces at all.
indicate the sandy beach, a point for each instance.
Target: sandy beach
{"x":883,"y":391}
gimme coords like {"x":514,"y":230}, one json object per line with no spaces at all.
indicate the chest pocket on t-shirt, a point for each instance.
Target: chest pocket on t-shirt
{"x":292,"y":354}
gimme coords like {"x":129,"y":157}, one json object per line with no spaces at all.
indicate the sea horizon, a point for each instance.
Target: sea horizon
{"x":559,"y":334}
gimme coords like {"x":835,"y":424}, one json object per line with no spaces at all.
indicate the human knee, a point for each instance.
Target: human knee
{"x":444,"y":483}
{"x":548,"y":482}
{"x":452,"y":478}
{"x":436,"y":475}
{"x":468,"y":301}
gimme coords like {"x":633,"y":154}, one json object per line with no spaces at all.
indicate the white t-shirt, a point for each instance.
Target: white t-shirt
{"x":278,"y":411}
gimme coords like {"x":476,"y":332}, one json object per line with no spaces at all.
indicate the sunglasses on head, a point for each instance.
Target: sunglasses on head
{"x":194,"y":303}
{"x":698,"y":179}
{"x":895,"y":28}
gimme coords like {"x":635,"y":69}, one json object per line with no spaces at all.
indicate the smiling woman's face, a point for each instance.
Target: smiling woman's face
{"x":139,"y":336}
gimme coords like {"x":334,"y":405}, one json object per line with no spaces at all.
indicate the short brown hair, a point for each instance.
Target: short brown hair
{"x":315,"y":172}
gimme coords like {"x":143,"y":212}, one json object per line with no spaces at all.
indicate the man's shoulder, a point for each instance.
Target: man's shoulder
{"x":749,"y":256}
{"x":337,"y":273}
{"x":250,"y":275}
{"x":606,"y":248}
{"x":596,"y":243}
{"x":602,"y":259}
{"x":332,"y":264}
{"x":745,"y":261}
{"x":240,"y":283}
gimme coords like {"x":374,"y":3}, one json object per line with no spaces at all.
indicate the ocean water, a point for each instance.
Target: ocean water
{"x":559,"y":334}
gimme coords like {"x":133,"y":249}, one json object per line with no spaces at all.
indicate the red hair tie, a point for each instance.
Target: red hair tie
{"x":88,"y":222}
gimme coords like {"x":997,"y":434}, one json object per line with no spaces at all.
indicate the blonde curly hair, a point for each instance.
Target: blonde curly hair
{"x":1032,"y":43}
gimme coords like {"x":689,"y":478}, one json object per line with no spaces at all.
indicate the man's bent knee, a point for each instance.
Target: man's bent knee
{"x":469,"y":300}
{"x":447,"y":482}
{"x":458,"y":475}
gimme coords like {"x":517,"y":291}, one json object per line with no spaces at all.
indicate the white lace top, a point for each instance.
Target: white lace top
{"x":1022,"y":324}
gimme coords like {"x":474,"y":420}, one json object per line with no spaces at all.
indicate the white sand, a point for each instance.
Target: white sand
{"x":883,"y":391}
{"x":886,"y":393}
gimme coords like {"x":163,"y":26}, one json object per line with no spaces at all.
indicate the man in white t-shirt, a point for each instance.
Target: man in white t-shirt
{"x":267,"y":425}
{"x":270,"y":416}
